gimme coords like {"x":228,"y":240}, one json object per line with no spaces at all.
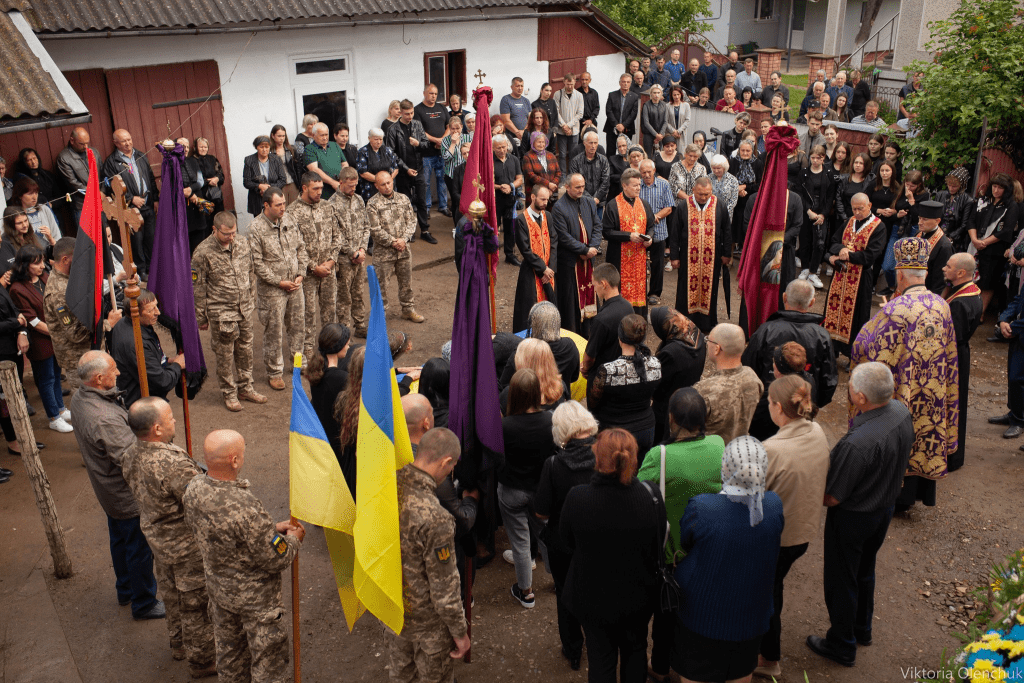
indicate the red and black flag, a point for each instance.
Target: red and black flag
{"x":92,"y":261}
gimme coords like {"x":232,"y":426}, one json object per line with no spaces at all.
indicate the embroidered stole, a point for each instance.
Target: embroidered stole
{"x":934,"y":239}
{"x":970,"y":290}
{"x":842,"y":295}
{"x":585,"y":278}
{"x":633,"y":265}
{"x":540,"y":245}
{"x":700,"y":255}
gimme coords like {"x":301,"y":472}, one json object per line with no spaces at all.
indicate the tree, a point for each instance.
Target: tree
{"x":870,"y":14}
{"x":652,"y":21}
{"x":977,"y":72}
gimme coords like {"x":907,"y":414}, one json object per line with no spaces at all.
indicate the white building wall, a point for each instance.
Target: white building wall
{"x":721,"y":13}
{"x":604,"y":73}
{"x":387,"y":64}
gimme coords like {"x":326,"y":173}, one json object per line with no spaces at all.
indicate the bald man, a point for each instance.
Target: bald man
{"x":244,"y":553}
{"x":73,"y":168}
{"x":141,"y":192}
{"x":731,"y":393}
{"x":392,"y":226}
{"x":158,"y":473}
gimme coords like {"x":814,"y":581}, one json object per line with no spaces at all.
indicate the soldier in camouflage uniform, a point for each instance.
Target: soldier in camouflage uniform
{"x":351,"y":213}
{"x":430,"y":578}
{"x":279,"y":259}
{"x":321,"y":233}
{"x":223,"y":281}
{"x":392,"y":224}
{"x":158,"y":473}
{"x":244,"y":553}
{"x":70,"y":338}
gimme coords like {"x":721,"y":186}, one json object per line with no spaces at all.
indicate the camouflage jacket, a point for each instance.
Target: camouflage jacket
{"x":278,"y":253}
{"x":355,"y":227}
{"x":732,"y":396}
{"x":321,"y":231}
{"x":65,"y":329}
{"x":242,"y":552}
{"x":158,"y":474}
{"x":430,"y":577}
{"x":223,"y":281}
{"x":391,"y":218}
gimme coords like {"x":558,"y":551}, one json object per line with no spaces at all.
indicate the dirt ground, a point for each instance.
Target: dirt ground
{"x":73,"y":629}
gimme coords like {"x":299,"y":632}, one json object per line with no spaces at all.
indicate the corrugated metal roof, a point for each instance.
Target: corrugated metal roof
{"x":86,"y":15}
{"x":26,"y":88}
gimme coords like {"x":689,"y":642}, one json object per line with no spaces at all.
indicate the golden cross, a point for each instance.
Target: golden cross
{"x":480,"y":75}
{"x":478,"y":184}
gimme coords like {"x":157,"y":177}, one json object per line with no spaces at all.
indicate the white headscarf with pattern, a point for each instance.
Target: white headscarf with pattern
{"x":744,"y":467}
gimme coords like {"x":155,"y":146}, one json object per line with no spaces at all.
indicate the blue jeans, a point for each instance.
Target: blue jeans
{"x":133,"y":564}
{"x":47,"y":375}
{"x":435,"y":166}
{"x":519,"y":523}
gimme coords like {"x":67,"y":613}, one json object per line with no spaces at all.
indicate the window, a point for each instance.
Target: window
{"x":446,"y":70}
{"x":329,"y":107}
{"x":320,"y":66}
{"x":764,"y":9}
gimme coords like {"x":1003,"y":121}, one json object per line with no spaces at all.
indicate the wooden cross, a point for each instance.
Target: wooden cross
{"x":479,"y":75}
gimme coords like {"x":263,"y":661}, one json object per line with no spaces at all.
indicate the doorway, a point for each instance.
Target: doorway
{"x":324,"y":85}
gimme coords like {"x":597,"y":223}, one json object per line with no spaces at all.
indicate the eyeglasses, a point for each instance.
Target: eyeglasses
{"x":712,"y":341}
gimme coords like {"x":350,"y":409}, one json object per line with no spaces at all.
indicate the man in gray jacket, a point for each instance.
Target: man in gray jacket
{"x":73,"y":167}
{"x":103,"y":434}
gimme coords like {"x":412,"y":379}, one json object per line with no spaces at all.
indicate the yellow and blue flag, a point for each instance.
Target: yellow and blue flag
{"x":318,"y":493}
{"x":382,"y":448}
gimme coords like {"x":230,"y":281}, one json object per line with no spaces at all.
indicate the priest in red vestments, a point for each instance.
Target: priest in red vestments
{"x":700,"y":245}
{"x":627,"y":225}
{"x":538,"y":243}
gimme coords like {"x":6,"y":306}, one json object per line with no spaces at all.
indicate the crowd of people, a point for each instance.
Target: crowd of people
{"x":664,"y":467}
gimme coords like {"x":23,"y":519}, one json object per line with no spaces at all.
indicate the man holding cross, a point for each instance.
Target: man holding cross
{"x":141,"y":192}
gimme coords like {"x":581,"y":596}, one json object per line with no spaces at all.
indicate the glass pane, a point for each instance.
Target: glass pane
{"x":319,"y":67}
{"x":766,"y":9}
{"x":328,"y":107}
{"x":436,"y":75}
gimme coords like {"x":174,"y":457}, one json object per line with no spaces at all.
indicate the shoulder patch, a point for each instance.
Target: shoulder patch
{"x":444,"y":553}
{"x":64,"y":315}
{"x":279,"y":545}
{"x":195,"y":276}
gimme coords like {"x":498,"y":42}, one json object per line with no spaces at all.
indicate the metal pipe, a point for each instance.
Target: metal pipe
{"x":46,"y":124}
{"x":326,"y":24}
{"x":192,"y":100}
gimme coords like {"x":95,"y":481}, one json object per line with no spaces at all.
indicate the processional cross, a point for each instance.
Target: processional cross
{"x":479,"y":75}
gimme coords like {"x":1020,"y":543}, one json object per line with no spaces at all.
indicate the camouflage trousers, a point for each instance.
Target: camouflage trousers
{"x":251,"y":647}
{"x":277,"y":315}
{"x":183,"y":590}
{"x":67,"y":359}
{"x":320,"y":295}
{"x":423,"y":659}
{"x":351,"y":311}
{"x":232,"y":344}
{"x":402,"y":268}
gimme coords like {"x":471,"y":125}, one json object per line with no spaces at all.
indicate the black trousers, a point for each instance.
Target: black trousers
{"x":812,"y":245}
{"x":657,"y":252}
{"x":416,"y":190}
{"x":622,"y":646}
{"x":133,"y":564}
{"x":663,"y":635}
{"x":505,"y":203}
{"x":142,"y":241}
{"x":771,"y":648}
{"x":569,"y":630}
{"x":852,"y":541}
{"x":1015,"y":382}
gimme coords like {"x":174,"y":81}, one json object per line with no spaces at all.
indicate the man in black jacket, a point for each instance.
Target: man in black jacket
{"x":141,"y":192}
{"x":407,"y":138}
{"x":579,"y":237}
{"x":621,"y":110}
{"x":162,"y":374}
{"x":591,"y":102}
{"x":796,"y":323}
{"x":603,"y":345}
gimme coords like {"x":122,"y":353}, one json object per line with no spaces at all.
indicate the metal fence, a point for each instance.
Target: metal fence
{"x":889,"y":95}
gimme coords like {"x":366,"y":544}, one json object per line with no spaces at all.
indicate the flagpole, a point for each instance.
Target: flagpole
{"x":296,"y":646}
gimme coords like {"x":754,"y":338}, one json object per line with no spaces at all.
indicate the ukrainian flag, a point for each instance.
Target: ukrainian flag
{"x":318,"y":492}
{"x":382,"y":448}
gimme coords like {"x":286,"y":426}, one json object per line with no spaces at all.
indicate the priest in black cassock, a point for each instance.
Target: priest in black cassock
{"x":853,"y":252}
{"x":628,"y":226}
{"x":964,"y":299}
{"x":538,"y":243}
{"x":574,"y":216}
{"x":790,"y":239}
{"x":700,"y":244}
{"x":929,"y":216}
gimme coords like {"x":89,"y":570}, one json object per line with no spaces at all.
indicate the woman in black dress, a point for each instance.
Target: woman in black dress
{"x":373,"y":158}
{"x":992,"y":233}
{"x":666,"y":156}
{"x":327,"y":380}
{"x":346,"y":412}
{"x":860,"y":180}
{"x":817,"y":190}
{"x":213,"y":178}
{"x":884,"y":194}
{"x":748,"y":170}
{"x":682,"y":354}
{"x":700,"y":139}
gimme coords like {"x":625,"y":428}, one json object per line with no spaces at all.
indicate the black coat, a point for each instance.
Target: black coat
{"x":681,"y":366}
{"x":614,"y":106}
{"x":565,"y":216}
{"x":806,"y":330}
{"x":251,"y":180}
{"x":211,"y":168}
{"x":115,"y":165}
{"x":163,"y":375}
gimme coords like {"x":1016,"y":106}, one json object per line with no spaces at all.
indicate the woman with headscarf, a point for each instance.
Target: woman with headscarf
{"x":573,"y":429}
{"x":957,"y":208}
{"x":726,"y":605}
{"x":653,"y":117}
{"x":617,"y":163}
{"x":687,"y":465}
{"x":620,"y":394}
{"x":30,"y":166}
{"x":327,"y":380}
{"x":213,"y":177}
{"x":724,"y":184}
{"x":798,"y":460}
{"x":991,"y":234}
{"x":682,"y":354}
{"x":700,"y":139}
{"x":540,"y":167}
{"x":614,"y":528}
{"x":435,"y":378}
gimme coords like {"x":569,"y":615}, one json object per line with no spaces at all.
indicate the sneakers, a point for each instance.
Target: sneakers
{"x":507,"y":556}
{"x":815,"y":280}
{"x":66,"y":415}
{"x":804,"y":273}
{"x":526,"y":600}
{"x":58,"y":424}
{"x":428,"y":238}
{"x":411,"y":315}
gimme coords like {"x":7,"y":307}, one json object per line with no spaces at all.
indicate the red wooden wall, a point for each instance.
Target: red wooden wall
{"x":566,"y":42}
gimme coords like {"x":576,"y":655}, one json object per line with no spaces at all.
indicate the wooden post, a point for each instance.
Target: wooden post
{"x":296,"y":647}
{"x":129,"y":220}
{"x":34,"y":467}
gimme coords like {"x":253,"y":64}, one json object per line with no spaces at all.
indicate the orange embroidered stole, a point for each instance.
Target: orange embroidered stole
{"x":540,"y":245}
{"x":933,"y":240}
{"x":700,"y":255}
{"x":633,"y":266}
{"x":970,"y":290}
{"x":842,"y":295}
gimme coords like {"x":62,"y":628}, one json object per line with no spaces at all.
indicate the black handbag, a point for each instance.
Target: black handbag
{"x":669,"y":595}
